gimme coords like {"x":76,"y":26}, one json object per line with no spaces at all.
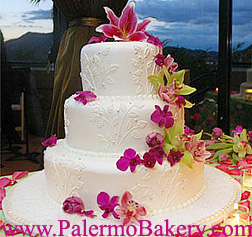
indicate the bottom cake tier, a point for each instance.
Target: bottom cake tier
{"x":28,"y":203}
{"x":161,"y":189}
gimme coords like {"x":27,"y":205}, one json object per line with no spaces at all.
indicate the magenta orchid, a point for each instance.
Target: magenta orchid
{"x":74,"y":205}
{"x":85,"y":96}
{"x":174,"y":157}
{"x":153,"y":40}
{"x":197,"y":149}
{"x":162,"y":117}
{"x":126,"y":27}
{"x":129,"y":159}
{"x":155,"y":139}
{"x":148,"y":160}
{"x":107,"y":205}
{"x":50,"y":141}
{"x":129,"y":211}
{"x":158,"y":153}
{"x":97,"y":39}
{"x":168,"y":62}
{"x":237,"y":130}
{"x":188,"y":131}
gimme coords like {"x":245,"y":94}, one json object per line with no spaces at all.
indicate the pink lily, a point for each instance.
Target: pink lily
{"x":18,"y":175}
{"x":129,"y":211}
{"x":126,"y":27}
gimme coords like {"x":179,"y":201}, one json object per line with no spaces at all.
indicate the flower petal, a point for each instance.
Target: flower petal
{"x":126,"y":198}
{"x":103,"y":199}
{"x":141,"y":211}
{"x":109,"y":31}
{"x":129,"y":153}
{"x":128,"y":20}
{"x":245,"y":195}
{"x":137,"y":36}
{"x":123,"y":164}
{"x":19,"y":174}
{"x":4,"y":182}
{"x":143,"y":25}
{"x":113,"y":19}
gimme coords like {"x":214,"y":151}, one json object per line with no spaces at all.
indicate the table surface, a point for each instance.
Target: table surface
{"x":207,"y":233}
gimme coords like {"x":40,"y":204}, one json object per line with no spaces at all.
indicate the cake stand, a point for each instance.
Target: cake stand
{"x":28,"y":203}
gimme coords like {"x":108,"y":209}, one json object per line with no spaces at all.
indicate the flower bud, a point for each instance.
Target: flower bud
{"x":217,"y":132}
{"x":155,"y":139}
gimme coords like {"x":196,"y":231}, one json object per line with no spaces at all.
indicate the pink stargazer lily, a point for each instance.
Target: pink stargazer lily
{"x":126,"y":27}
{"x":130,"y":211}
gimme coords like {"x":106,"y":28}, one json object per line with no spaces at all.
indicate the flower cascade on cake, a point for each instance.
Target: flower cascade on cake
{"x":171,"y":143}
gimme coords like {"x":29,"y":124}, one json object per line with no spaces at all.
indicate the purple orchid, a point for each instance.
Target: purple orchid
{"x":97,"y":39}
{"x":174,"y":157}
{"x":158,"y":153}
{"x":217,"y":132}
{"x":50,"y":141}
{"x":74,"y":205}
{"x":129,"y":159}
{"x":153,"y":40}
{"x":85,"y":96}
{"x":107,"y":205}
{"x":237,"y":130}
{"x":126,"y":27}
{"x":159,"y":59}
{"x":148,"y":160}
{"x":155,"y":139}
{"x":188,"y":131}
{"x":162,"y":117}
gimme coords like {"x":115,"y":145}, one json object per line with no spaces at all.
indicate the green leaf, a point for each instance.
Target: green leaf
{"x":218,"y":146}
{"x":199,"y":135}
{"x":249,"y":149}
{"x":156,"y":81}
{"x":186,"y":90}
{"x":187,"y":159}
{"x":179,"y":76}
{"x":188,"y":104}
{"x":167,"y":75}
{"x":224,"y":136}
{"x":167,"y":147}
{"x":208,"y":134}
{"x":235,"y":157}
{"x":216,"y":155}
{"x":243,"y":135}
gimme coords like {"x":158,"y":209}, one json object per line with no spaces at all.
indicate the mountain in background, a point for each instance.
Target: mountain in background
{"x":30,"y":46}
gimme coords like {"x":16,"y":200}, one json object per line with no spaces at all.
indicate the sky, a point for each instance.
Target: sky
{"x":184,"y":23}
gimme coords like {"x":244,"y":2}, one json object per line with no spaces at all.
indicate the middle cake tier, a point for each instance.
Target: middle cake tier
{"x":113,"y":124}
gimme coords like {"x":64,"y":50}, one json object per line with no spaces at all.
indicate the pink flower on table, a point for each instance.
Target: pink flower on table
{"x":237,"y":130}
{"x":18,"y":175}
{"x":162,"y":117}
{"x":174,"y":157}
{"x":85,"y":96}
{"x":50,"y":141}
{"x":197,"y":149}
{"x":188,"y":131}
{"x":4,"y":182}
{"x":130,"y":211}
{"x":148,"y":160}
{"x":125,"y":27}
{"x":129,"y":159}
{"x":2,"y":195}
{"x":217,"y":132}
{"x":97,"y":39}
{"x":153,"y":40}
{"x":107,"y":205}
{"x":155,"y":139}
{"x":74,"y":205}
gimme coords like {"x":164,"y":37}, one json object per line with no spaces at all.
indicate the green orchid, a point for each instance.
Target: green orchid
{"x":241,"y":145}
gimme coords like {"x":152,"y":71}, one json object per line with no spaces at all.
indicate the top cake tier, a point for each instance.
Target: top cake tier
{"x":118,"y":68}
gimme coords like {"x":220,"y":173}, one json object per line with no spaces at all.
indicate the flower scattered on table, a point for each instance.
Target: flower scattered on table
{"x":130,"y":212}
{"x":74,"y":205}
{"x":85,"y":96}
{"x":52,"y":141}
{"x":126,"y":27}
{"x":97,"y":39}
{"x":107,"y":205}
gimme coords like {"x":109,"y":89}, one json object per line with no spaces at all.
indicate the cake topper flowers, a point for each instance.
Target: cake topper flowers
{"x":85,"y":96}
{"x":50,"y":141}
{"x":126,"y":27}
